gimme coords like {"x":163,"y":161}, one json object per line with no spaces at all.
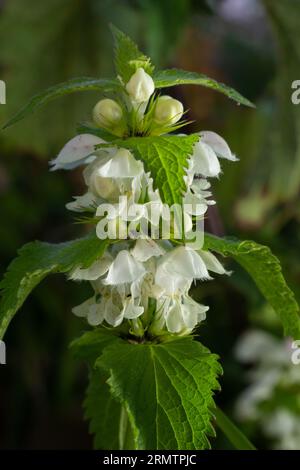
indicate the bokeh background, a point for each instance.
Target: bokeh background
{"x":252,"y":45}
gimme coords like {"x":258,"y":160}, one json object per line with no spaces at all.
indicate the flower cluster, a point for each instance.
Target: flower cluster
{"x":273,"y":378}
{"x":139,"y":282}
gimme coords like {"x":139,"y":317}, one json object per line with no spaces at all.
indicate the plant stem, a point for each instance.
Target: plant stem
{"x":233,"y":434}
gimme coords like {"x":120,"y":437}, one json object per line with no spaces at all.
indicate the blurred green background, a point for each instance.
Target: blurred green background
{"x":251,"y":45}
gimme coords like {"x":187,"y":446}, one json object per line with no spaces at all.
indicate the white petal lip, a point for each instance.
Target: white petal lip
{"x":145,"y":249}
{"x":112,"y":313}
{"x":124,"y":269}
{"x":83,"y":309}
{"x":218,"y":144}
{"x":212,"y":263}
{"x":131,"y":311}
{"x":174,"y":319}
{"x":96,"y":270}
{"x":184,"y":262}
{"x":95,"y":314}
{"x":75,"y":151}
{"x":81,"y":203}
{"x":204,"y":160}
{"x":122,"y":165}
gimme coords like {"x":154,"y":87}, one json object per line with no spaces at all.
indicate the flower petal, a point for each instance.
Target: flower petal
{"x":96,"y":270}
{"x":218,"y":144}
{"x":82,"y":310}
{"x":212,"y":263}
{"x":76,"y":151}
{"x":204,"y":160}
{"x":121,"y":165}
{"x":145,"y":249}
{"x":124,"y":269}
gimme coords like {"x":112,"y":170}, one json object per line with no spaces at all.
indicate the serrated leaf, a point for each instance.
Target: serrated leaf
{"x":87,"y":128}
{"x":90,"y":345}
{"x":71,"y":86}
{"x":166,"y":157}
{"x":166,"y":389}
{"x":103,"y":413}
{"x":35,"y":261}
{"x":265,"y":270}
{"x":128,"y":56}
{"x":173,"y":77}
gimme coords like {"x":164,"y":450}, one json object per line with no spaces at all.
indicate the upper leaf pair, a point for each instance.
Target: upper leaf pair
{"x":127,"y":59}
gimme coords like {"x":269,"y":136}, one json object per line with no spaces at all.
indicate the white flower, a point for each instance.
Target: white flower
{"x":113,"y":175}
{"x":182,"y":315}
{"x":87,"y":201}
{"x":207,"y":151}
{"x":204,"y":161}
{"x":177,"y":269}
{"x":79,"y":150}
{"x":124,"y":269}
{"x":218,"y":145}
{"x":140,"y":86}
{"x":145,"y":249}
{"x":107,"y":113}
{"x":96,"y":270}
{"x":121,"y":165}
{"x":108,"y":308}
{"x":167,"y":111}
{"x":212,"y":263}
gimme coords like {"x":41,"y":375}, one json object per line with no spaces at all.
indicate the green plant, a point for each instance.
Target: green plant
{"x":151,"y":380}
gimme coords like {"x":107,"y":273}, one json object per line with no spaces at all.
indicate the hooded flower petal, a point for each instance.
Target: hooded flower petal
{"x":192,"y":312}
{"x":124,"y":269}
{"x":218,"y":144}
{"x":174,"y":320}
{"x":204,"y":161}
{"x":82,"y":310}
{"x":145,"y":249}
{"x":122,"y":165}
{"x":82,"y":203}
{"x":77,"y":151}
{"x":112,"y":313}
{"x":95,"y":314}
{"x":185,"y":262}
{"x":96,"y":270}
{"x":131,"y":311}
{"x":212,"y":263}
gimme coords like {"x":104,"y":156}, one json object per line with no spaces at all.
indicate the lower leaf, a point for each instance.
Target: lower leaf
{"x":166,"y":389}
{"x":103,"y":412}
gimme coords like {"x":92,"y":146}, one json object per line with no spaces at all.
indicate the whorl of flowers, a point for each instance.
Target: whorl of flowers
{"x":141,"y":284}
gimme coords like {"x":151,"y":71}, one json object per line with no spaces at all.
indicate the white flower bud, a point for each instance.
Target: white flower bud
{"x":168,"y":110}
{"x":140,"y":86}
{"x":107,"y":113}
{"x":106,"y":188}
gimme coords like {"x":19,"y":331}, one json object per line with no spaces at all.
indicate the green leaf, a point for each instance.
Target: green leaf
{"x":166,"y":158}
{"x":35,"y":261}
{"x":103,"y":412}
{"x":265,"y":270}
{"x":172,"y":77}
{"x":128,"y":58}
{"x":233,"y":434}
{"x":71,"y":86}
{"x":87,"y":128}
{"x":166,"y":389}
{"x":90,"y":345}
{"x":108,"y":420}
